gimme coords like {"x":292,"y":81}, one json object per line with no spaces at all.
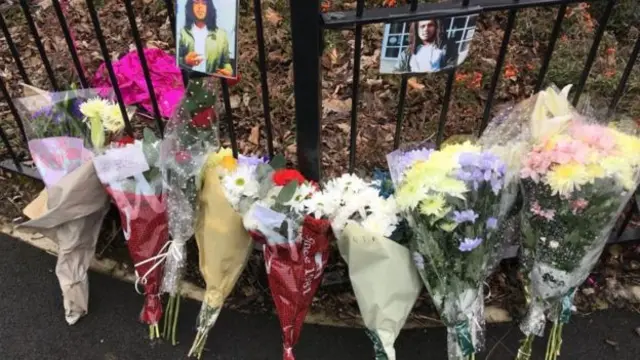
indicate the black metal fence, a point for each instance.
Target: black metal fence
{"x":308,"y":26}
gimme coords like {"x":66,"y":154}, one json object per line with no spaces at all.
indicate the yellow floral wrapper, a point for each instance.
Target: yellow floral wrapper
{"x":224,"y":247}
{"x":71,"y":213}
{"x":385,"y":281}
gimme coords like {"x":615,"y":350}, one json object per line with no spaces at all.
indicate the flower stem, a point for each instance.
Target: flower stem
{"x":524,"y":352}
{"x":167,"y":317}
{"x":175,"y":320}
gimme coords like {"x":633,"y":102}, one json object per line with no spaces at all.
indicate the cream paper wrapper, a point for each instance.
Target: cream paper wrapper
{"x":224,"y":248}
{"x":71,"y":213}
{"x":385,"y":281}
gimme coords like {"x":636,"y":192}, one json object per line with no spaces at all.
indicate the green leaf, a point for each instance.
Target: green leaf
{"x":149,"y":136}
{"x":278,"y":162}
{"x":287,"y":192}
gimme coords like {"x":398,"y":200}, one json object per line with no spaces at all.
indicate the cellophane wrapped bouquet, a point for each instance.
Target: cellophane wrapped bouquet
{"x":64,"y":131}
{"x":371,"y":236}
{"x":190,"y":135}
{"x":130,"y":171}
{"x":229,"y":188}
{"x":295,"y":244}
{"x":451,"y":199}
{"x":65,"y":128}
{"x":576,"y":179}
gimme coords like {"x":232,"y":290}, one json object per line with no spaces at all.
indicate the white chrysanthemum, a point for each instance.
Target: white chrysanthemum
{"x":239,"y":183}
{"x":297,"y":202}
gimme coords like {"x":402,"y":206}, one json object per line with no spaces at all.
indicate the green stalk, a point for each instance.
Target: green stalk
{"x":524,"y":353}
{"x":167,"y":318}
{"x":150,"y":332}
{"x":175,"y":320}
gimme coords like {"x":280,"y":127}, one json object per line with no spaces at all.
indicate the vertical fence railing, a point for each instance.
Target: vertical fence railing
{"x":68,"y":37}
{"x":306,"y":35}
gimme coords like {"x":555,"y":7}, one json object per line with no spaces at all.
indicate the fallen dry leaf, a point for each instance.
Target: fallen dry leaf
{"x":254,"y":137}
{"x":235,"y":101}
{"x":272,"y":16}
{"x":414,"y":84}
{"x":337,"y":105}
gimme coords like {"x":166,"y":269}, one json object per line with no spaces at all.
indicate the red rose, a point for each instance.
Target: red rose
{"x":285,"y":176}
{"x":124,"y":140}
{"x":182,"y":157}
{"x":233,"y":81}
{"x":204,"y":118}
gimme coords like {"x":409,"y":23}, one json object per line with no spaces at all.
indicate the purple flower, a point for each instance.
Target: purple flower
{"x":468,"y":159}
{"x":496,"y":185}
{"x":418,"y":260}
{"x":466,"y":215}
{"x":470,"y":244}
{"x":492,"y":223}
{"x":250,"y":160}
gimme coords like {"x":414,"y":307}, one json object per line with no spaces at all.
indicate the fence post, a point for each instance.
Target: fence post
{"x":306,"y":36}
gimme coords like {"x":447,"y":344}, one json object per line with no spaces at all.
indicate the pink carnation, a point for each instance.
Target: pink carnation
{"x":537,"y":210}
{"x":597,"y":136}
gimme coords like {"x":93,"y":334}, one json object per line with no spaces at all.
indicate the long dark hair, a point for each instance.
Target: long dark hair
{"x":414,"y":37}
{"x":210,"y":19}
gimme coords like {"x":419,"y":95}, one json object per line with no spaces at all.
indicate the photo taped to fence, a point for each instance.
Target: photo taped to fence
{"x":206,"y":36}
{"x":426,"y":46}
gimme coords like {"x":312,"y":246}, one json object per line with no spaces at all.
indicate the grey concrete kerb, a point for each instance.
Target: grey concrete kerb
{"x":189,"y":290}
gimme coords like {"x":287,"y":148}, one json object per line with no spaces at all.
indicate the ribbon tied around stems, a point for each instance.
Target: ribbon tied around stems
{"x":565,"y":309}
{"x":170,"y":248}
{"x":465,"y":340}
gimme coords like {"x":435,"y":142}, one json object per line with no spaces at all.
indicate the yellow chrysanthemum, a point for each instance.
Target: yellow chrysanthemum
{"x":620,"y":168}
{"x":595,"y":171}
{"x":228,"y":163}
{"x":409,"y":195}
{"x":216,"y":158}
{"x":448,"y":227}
{"x":564,"y":179}
{"x":628,"y":147}
{"x":453,"y":187}
{"x":433,"y":205}
{"x":93,"y":108}
{"x":112,"y":119}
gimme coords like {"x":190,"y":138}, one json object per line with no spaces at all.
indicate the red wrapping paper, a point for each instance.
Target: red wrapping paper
{"x":295,"y":273}
{"x":145,"y":226}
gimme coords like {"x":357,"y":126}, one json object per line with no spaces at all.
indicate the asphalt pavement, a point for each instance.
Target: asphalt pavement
{"x":32,"y":326}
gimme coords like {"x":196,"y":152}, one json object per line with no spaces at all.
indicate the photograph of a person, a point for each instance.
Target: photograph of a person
{"x":206,"y":31}
{"x":426,"y":46}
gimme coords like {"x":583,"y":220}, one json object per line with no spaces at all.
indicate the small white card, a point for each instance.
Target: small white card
{"x":120,"y":163}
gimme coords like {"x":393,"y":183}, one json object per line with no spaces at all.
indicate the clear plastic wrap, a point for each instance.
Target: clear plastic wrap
{"x":64,"y":128}
{"x":451,"y":199}
{"x":576,"y":179}
{"x":190,"y":135}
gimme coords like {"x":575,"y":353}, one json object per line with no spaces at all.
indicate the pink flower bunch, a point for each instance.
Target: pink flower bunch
{"x":563,"y":150}
{"x":547,"y":214}
{"x":596,"y":136}
{"x":578,"y":205}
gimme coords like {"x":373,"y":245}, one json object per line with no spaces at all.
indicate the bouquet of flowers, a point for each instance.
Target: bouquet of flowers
{"x":451,"y":200}
{"x":370,"y":234}
{"x":191,"y":134}
{"x":576,"y":179}
{"x":229,"y":187}
{"x":130,"y":172}
{"x":62,"y":127}
{"x":296,"y":245}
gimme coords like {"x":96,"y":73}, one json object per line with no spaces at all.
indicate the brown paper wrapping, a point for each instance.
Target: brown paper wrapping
{"x":71,"y":213}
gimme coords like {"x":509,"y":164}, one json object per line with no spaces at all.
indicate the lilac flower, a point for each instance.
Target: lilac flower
{"x":496,"y":185}
{"x":468,"y":159}
{"x":466,"y":215}
{"x":492,"y":223}
{"x":399,"y":161}
{"x":418,"y":260}
{"x":250,"y":160}
{"x":470,"y":244}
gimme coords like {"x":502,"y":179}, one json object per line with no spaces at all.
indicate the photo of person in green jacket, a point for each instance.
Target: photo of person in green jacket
{"x":202,"y":45}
